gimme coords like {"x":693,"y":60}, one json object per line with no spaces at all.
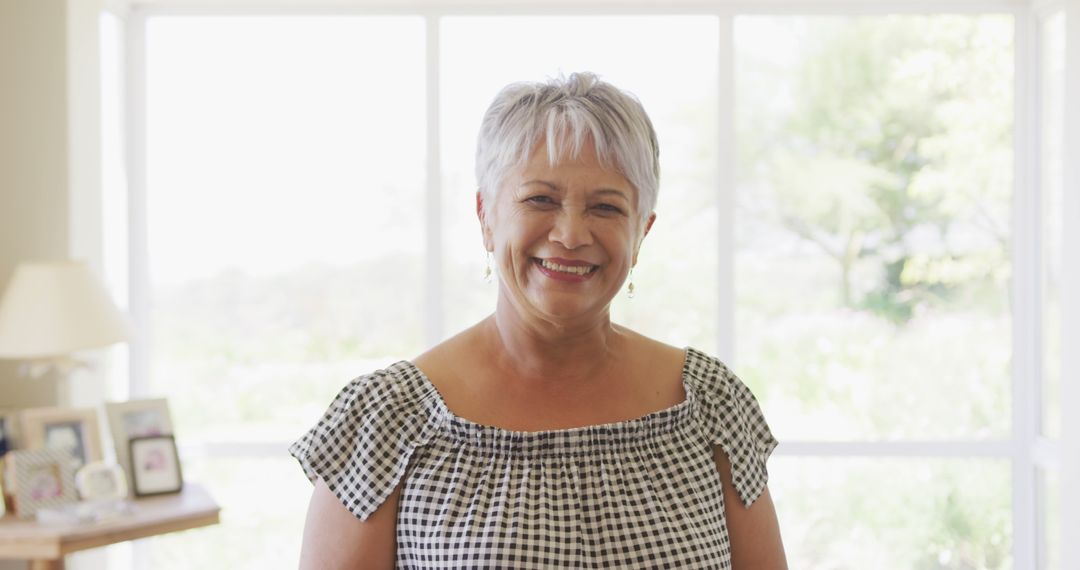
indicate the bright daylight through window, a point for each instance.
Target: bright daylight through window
{"x":868,"y":160}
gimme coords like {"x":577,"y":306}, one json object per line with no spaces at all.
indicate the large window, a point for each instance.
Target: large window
{"x":837,"y":218}
{"x":872,"y":276}
{"x":285,"y":200}
{"x":285,"y":215}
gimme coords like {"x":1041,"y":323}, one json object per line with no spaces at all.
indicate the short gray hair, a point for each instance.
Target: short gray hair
{"x":564,"y":112}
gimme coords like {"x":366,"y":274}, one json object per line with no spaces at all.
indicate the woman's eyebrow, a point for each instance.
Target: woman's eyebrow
{"x":542,"y":183}
{"x":612,"y":192}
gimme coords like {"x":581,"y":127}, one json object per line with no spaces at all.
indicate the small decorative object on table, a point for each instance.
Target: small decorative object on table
{"x":136,"y":418}
{"x":75,"y":430}
{"x":40,"y":478}
{"x":100,"y":481}
{"x":155,"y":466}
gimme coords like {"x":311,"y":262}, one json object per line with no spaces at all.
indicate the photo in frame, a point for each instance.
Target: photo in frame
{"x":155,"y":465}
{"x":41,"y":478}
{"x":75,"y":430}
{"x":136,"y":418}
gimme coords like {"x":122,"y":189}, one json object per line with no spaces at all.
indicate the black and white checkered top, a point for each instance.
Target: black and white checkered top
{"x":642,"y":493}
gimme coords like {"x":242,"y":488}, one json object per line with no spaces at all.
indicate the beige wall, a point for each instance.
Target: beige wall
{"x":33,"y":158}
{"x":33,"y":153}
{"x":47,"y":156}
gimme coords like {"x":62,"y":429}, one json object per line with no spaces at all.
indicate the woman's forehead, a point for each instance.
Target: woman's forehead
{"x":570,"y":173}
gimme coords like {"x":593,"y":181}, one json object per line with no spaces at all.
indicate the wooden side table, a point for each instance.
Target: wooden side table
{"x":45,"y":545}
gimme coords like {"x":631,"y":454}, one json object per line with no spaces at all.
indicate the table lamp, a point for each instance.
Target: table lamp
{"x":52,"y":309}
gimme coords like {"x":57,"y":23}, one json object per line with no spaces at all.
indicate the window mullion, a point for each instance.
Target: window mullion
{"x":1026,"y":302}
{"x":725,"y":192}
{"x":433,"y":284}
{"x":138,"y":239}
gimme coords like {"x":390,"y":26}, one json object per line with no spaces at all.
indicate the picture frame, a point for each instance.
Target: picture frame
{"x":6,"y":437}
{"x":9,"y":441}
{"x":136,"y":418}
{"x":155,"y":466}
{"x":76,"y":430}
{"x":9,"y":430}
{"x":4,"y":498}
{"x":41,"y":478}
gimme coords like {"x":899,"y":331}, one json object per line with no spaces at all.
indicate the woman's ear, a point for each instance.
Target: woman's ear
{"x":645,"y":232}
{"x":648,"y":225}
{"x":485,"y":230}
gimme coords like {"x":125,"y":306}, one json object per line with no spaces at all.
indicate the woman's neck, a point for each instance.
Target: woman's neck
{"x":551,"y":355}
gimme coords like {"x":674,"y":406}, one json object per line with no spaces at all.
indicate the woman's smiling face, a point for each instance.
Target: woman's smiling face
{"x":564,"y":236}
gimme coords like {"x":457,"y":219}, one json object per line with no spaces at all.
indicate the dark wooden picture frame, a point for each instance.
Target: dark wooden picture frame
{"x":155,"y":466}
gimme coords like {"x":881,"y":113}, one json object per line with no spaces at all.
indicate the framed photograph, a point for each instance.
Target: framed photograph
{"x":41,"y":478}
{"x":75,"y":430}
{"x":100,"y":481}
{"x":155,"y":465}
{"x":5,"y":437}
{"x":9,"y":424}
{"x":9,"y":431}
{"x":3,"y":487}
{"x":136,"y":418}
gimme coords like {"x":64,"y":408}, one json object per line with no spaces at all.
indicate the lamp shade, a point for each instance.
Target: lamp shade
{"x":54,"y":308}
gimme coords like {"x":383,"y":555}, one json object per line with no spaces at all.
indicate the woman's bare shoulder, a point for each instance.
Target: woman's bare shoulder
{"x":649,"y":349}
{"x":657,"y":368}
{"x":440,"y":362}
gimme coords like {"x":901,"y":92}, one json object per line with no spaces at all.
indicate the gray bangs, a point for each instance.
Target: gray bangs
{"x":566,"y":113}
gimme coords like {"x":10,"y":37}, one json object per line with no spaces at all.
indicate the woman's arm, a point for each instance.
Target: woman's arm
{"x":335,"y":538}
{"x":754,"y":532}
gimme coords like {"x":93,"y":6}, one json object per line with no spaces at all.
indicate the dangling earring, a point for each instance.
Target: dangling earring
{"x":630,"y":287}
{"x":487,"y":269}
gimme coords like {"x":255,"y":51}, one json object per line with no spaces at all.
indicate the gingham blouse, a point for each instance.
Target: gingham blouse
{"x":642,"y":493}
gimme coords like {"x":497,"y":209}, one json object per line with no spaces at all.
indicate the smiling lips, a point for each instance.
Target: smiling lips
{"x":565,"y":269}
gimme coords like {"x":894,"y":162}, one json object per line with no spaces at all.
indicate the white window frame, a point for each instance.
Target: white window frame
{"x":1026,"y":449}
{"x":1069,"y":452}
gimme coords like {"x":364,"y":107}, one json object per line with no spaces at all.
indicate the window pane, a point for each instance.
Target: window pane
{"x":873,"y":222}
{"x":893,"y":513}
{"x":1053,"y":190}
{"x":676,"y":277}
{"x":261,"y":525}
{"x":286,"y":226}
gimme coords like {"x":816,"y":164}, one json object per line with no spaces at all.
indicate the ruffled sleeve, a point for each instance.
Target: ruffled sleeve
{"x":362,"y":445}
{"x":728,"y":415}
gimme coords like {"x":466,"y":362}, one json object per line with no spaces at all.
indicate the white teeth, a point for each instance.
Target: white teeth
{"x":576,"y":270}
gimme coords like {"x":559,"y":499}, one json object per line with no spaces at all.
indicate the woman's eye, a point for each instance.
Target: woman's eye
{"x":541,"y":199}
{"x":609,"y":208}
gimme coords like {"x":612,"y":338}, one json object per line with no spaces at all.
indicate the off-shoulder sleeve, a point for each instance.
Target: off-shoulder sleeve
{"x":728,"y":415}
{"x":362,"y":445}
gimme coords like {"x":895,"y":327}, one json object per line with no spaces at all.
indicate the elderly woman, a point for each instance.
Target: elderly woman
{"x":547,"y":436}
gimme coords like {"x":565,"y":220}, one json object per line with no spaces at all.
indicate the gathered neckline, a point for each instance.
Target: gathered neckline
{"x":662,"y":419}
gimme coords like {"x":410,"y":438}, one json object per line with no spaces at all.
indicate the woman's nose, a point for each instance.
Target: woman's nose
{"x":571,"y":231}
